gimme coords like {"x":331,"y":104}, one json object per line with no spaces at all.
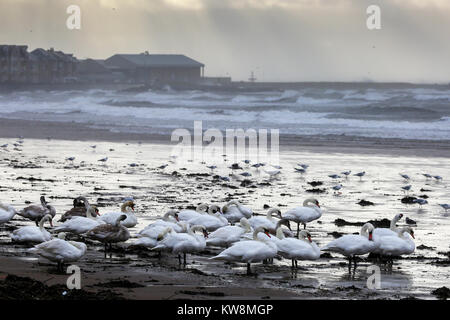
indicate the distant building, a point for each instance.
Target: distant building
{"x":17,"y":65}
{"x":13,"y":63}
{"x":96,"y":71}
{"x":157,"y":68}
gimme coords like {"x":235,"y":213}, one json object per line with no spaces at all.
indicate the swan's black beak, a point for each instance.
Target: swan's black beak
{"x":205,"y":233}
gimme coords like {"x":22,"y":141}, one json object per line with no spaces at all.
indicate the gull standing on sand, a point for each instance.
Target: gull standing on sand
{"x":406,"y":188}
{"x":337,"y":188}
{"x":404,"y":176}
{"x":360,"y":175}
{"x":445,"y":206}
{"x":346,"y":173}
{"x":334,"y":176}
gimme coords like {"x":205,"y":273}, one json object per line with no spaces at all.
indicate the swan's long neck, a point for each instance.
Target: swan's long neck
{"x":192,"y":229}
{"x":255,"y":233}
{"x":124,"y":207}
{"x":246,"y":226}
{"x":269,"y":214}
{"x":280,"y":233}
{"x":117,"y":223}
{"x":167,"y":215}
{"x":41,"y":223}
{"x":394,"y":221}
{"x":202,"y":208}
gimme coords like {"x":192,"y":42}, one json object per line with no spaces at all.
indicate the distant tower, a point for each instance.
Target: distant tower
{"x":252,"y":77}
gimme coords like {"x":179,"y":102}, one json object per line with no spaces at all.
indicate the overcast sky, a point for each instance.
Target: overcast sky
{"x":280,"y":40}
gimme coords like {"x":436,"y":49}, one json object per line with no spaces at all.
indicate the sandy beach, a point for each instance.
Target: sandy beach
{"x":39,"y":167}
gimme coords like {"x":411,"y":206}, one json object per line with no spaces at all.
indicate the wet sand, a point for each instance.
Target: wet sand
{"x":39,"y":167}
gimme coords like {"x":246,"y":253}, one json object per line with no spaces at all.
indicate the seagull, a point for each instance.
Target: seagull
{"x":346,"y":173}
{"x":212,"y":167}
{"x":428,"y":176}
{"x":4,"y":146}
{"x":406,"y":188}
{"x":301,"y":170}
{"x":404,"y":176}
{"x":445,"y":206}
{"x":272,"y":173}
{"x":360,"y":174}
{"x":163,"y":166}
{"x":93,"y":147}
{"x":256,"y":165}
{"x":103,"y":159}
{"x":235,"y":166}
{"x":304,"y":166}
{"x":437,"y":177}
{"x":246,"y":174}
{"x":133,"y":165}
{"x":70,"y":159}
{"x":224,"y":178}
{"x":421,"y":201}
{"x":334,"y":176}
{"x":246,"y":161}
{"x":337,"y":188}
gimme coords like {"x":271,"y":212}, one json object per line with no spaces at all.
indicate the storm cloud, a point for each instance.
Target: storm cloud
{"x":280,"y":40}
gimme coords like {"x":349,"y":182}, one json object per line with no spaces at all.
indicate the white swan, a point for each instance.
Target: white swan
{"x":7,"y":212}
{"x":225,"y":236}
{"x":184,"y":242}
{"x":170,"y":219}
{"x":392,"y":231}
{"x":249,"y":251}
{"x":129,"y":222}
{"x":110,"y":233}
{"x":301,"y":248}
{"x":309,"y":212}
{"x":36,"y":213}
{"x":151,"y":238}
{"x":60,"y":251}
{"x":211,"y":221}
{"x":33,"y":233}
{"x":234,"y":211}
{"x":397,"y":245}
{"x":267,"y":221}
{"x":80,"y":225}
{"x":352,"y":245}
{"x":188,"y":214}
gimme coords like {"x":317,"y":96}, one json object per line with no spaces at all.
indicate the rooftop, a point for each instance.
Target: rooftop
{"x":159,"y":60}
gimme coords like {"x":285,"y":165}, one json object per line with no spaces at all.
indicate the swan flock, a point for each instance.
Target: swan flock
{"x":240,"y":235}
